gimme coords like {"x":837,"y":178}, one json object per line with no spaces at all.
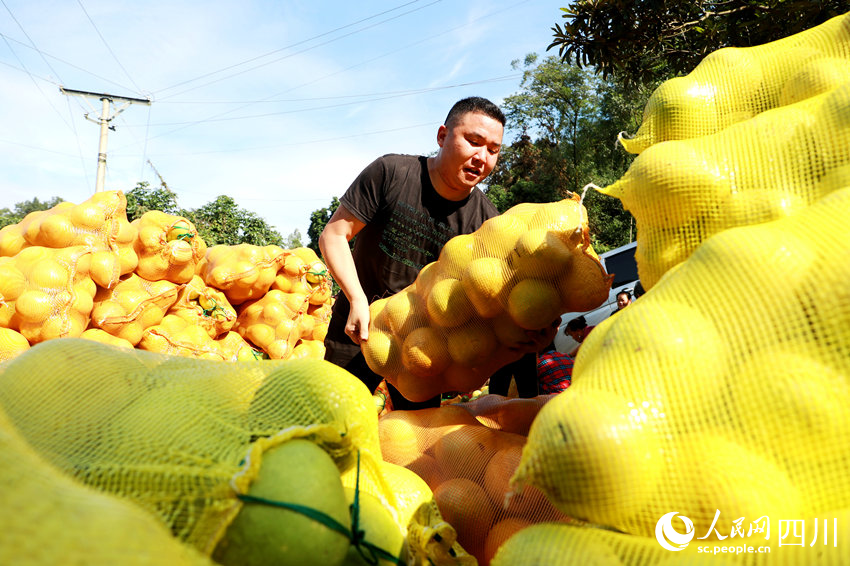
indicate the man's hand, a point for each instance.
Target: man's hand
{"x":357,"y":325}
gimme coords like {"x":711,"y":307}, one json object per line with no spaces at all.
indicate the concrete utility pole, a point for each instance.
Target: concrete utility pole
{"x":104,"y":120}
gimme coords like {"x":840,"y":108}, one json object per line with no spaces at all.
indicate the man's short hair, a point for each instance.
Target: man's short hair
{"x":474,"y":104}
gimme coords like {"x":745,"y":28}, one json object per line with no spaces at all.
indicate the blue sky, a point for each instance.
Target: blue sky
{"x":278,"y":104}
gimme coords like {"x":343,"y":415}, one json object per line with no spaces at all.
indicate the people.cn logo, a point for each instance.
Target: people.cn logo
{"x":670,"y":538}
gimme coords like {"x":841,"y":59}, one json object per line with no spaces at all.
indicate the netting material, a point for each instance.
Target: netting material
{"x":734,"y":84}
{"x":682,"y":192}
{"x":697,"y":399}
{"x":468,"y":313}
{"x":178,"y":436}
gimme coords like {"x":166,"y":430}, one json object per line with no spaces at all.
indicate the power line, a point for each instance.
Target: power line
{"x":111,"y":52}
{"x":376,"y":97}
{"x":59,"y":59}
{"x":290,"y":47}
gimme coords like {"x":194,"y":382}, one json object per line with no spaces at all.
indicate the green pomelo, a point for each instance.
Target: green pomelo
{"x":296,"y":472}
{"x":380,"y":529}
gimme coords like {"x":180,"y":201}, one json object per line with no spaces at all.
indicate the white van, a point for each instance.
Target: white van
{"x":621,"y":263}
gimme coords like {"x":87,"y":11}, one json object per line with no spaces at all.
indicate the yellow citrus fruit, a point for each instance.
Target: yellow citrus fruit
{"x":297,"y":472}
{"x":486,"y":282}
{"x":525,"y":210}
{"x":508,"y":332}
{"x":404,"y":312}
{"x":399,"y":440}
{"x":471,"y":344}
{"x":425,"y":353}
{"x":447,"y":304}
{"x":456,"y":254}
{"x":561,"y":217}
{"x":56,"y":231}
{"x":104,"y":269}
{"x":555,"y":543}
{"x":464,"y":450}
{"x":533,"y":304}
{"x":498,"y":235}
{"x":12,"y":343}
{"x":585,"y":285}
{"x":540,"y":253}
{"x":382,"y":352}
{"x":464,"y":505}
{"x":380,"y":530}
{"x":88,"y":215}
{"x":499,"y":534}
{"x":613,"y":461}
{"x":426,"y":278}
{"x":49,"y":274}
{"x":34,"y":305}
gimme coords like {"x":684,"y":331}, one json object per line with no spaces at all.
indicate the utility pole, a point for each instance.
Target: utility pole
{"x":105,"y":118}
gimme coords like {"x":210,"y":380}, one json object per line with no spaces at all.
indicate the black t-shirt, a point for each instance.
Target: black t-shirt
{"x":407,"y":224}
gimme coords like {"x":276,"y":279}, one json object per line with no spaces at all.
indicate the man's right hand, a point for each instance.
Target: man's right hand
{"x":357,"y":325}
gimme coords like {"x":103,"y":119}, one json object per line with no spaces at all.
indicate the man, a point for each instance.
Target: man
{"x":403,"y":208}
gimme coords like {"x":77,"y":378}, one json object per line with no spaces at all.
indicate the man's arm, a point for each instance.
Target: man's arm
{"x":333,"y":242}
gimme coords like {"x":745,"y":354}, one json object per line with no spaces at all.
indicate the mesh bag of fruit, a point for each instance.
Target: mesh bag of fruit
{"x":205,"y":306}
{"x":682,"y":192}
{"x":133,"y":305}
{"x":719,"y":406}
{"x":100,"y":224}
{"x":243,"y":271}
{"x":248,"y":462}
{"x":734,"y":84}
{"x":467,"y":453}
{"x":58,"y":520}
{"x":168,"y":247}
{"x":470,"y":312}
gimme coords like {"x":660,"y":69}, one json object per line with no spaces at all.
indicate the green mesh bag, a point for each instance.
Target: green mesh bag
{"x":722,"y":393}
{"x":185,"y":439}
{"x":734,"y":84}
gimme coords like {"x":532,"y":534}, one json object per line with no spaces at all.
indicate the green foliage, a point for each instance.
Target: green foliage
{"x":21,"y":209}
{"x":644,"y":41}
{"x":293,"y":240}
{"x":318,"y":220}
{"x":223,"y":222}
{"x":142,"y":198}
{"x":567,"y":120}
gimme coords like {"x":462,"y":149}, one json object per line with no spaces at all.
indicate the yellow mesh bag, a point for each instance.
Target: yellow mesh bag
{"x":734,"y":84}
{"x":168,"y":247}
{"x":723,"y":389}
{"x":179,"y":337}
{"x":105,"y":337}
{"x":303,"y":272}
{"x":466,"y":455}
{"x":12,"y":284}
{"x":205,"y":306}
{"x":273,"y":323}
{"x":50,"y":518}
{"x":59,"y":293}
{"x":133,"y":305}
{"x":468,"y":313}
{"x":185,"y":439}
{"x":682,"y":192}
{"x":100,"y":224}
{"x":243,"y":272}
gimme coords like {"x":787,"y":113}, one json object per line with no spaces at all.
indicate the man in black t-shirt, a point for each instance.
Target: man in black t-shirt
{"x":403,"y":208}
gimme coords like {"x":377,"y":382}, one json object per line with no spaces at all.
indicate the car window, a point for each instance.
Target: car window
{"x":623,"y":266}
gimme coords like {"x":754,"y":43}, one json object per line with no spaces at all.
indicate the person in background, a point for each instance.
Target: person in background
{"x":554,"y":371}
{"x":577,"y":329}
{"x":624,"y":299}
{"x":403,"y":209}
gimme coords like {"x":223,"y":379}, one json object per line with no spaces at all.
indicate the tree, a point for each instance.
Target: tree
{"x":21,"y":209}
{"x":223,"y":222}
{"x":649,"y":40}
{"x":293,"y":240}
{"x":142,"y":198}
{"x":567,"y":120}
{"x":318,"y":220}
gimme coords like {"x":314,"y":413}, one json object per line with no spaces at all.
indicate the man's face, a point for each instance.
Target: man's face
{"x":469,"y":150}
